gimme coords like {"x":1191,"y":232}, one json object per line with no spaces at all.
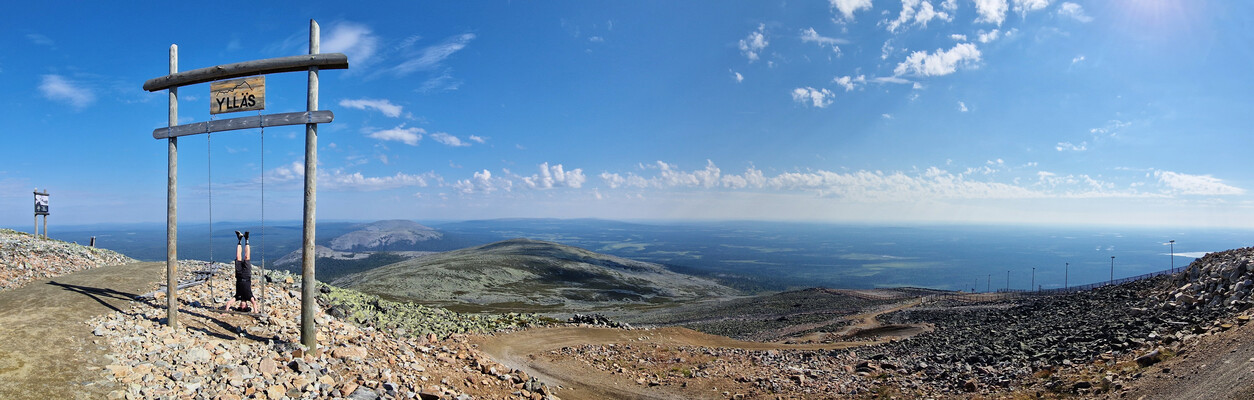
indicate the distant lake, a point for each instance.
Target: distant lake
{"x":785,"y":254}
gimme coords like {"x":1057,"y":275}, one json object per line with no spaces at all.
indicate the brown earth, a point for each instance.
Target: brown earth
{"x":1217,"y":366}
{"x":46,"y":351}
{"x":533,"y":351}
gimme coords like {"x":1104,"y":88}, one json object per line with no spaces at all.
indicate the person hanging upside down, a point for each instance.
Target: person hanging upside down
{"x":243,"y":275}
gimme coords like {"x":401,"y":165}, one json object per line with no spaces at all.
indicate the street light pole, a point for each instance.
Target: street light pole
{"x":1112,"y":270}
{"x":1173,"y":255}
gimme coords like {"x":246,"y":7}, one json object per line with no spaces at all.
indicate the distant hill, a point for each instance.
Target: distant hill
{"x":390,"y":235}
{"x":530,"y":275}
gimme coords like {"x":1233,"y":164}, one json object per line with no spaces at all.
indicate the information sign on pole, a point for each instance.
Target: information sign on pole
{"x":41,"y":203}
{"x":246,"y":94}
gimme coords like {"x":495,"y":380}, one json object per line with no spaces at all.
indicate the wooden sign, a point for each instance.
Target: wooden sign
{"x":245,"y":94}
{"x":41,"y":203}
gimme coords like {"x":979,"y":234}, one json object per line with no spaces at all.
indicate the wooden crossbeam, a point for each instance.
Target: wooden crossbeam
{"x":256,"y":121}
{"x":248,"y":68}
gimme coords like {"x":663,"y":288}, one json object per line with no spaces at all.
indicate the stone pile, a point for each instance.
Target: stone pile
{"x":1217,"y":280}
{"x":215,"y":355}
{"x":596,"y":320}
{"x":25,"y":258}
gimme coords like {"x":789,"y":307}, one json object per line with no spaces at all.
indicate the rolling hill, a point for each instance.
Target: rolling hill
{"x":530,"y":275}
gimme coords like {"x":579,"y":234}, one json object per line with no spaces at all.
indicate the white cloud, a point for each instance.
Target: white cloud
{"x":985,"y":37}
{"x":440,"y":83}
{"x":1111,"y":129}
{"x":738,"y":77}
{"x":962,"y":107}
{"x":448,"y":139}
{"x":1074,"y":11}
{"x":478,"y":139}
{"x":891,"y":79}
{"x":382,"y":105}
{"x":958,"y":37}
{"x":942,"y":62}
{"x":57,"y":88}
{"x":850,"y":83}
{"x":815,"y":97}
{"x":555,"y":176}
{"x":848,"y":7}
{"x":356,"y":41}
{"x":409,"y":136}
{"x":1023,"y":7}
{"x":596,"y":39}
{"x":338,"y":179}
{"x":886,"y":116}
{"x":991,"y":11}
{"x":431,"y":57}
{"x":1067,"y":146}
{"x":482,"y":182}
{"x":920,"y":11}
{"x":1187,"y":184}
{"x":1077,"y":59}
{"x":950,"y":5}
{"x":753,"y":45}
{"x":810,"y":35}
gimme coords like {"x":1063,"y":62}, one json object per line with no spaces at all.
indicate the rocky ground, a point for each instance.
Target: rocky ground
{"x":25,"y":258}
{"x":420,"y":352}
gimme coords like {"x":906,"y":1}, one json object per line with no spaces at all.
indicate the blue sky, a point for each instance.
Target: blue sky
{"x":1115,"y":112}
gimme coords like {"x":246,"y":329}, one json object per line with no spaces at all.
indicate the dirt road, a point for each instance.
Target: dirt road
{"x":46,"y":351}
{"x":523,"y":350}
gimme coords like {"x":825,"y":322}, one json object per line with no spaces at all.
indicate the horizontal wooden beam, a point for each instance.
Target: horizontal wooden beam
{"x":256,"y":121}
{"x":248,"y":68}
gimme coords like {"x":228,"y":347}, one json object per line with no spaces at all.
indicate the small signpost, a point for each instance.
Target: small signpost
{"x":246,"y":94}
{"x":41,"y":208}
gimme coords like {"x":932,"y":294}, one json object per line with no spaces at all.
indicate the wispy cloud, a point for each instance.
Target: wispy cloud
{"x":942,"y":62}
{"x":40,"y":39}
{"x":737,"y":76}
{"x":985,"y":37}
{"x":1206,"y":185}
{"x":58,"y":88}
{"x":753,"y":45}
{"x":848,"y":7}
{"x":809,"y":35}
{"x":478,"y":139}
{"x":409,"y":136}
{"x":432,"y":56}
{"x":1074,"y":11}
{"x":820,"y":98}
{"x":1023,"y":7}
{"x":382,"y":105}
{"x":991,"y":11}
{"x":448,"y":139}
{"x":1067,"y":146}
{"x":962,"y":107}
{"x":355,"y":40}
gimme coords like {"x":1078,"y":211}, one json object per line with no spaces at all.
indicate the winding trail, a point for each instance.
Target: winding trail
{"x":46,"y":351}
{"x":526,"y":350}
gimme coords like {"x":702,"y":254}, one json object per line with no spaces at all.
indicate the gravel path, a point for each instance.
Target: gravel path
{"x":45,"y":349}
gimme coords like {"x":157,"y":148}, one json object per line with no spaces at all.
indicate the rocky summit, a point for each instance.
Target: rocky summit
{"x":25,"y":258}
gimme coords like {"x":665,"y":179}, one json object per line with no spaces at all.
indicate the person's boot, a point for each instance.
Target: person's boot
{"x":239,"y":237}
{"x":245,"y":237}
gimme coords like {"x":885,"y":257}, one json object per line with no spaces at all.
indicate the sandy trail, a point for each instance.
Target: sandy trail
{"x":46,"y":351}
{"x":525,"y":350}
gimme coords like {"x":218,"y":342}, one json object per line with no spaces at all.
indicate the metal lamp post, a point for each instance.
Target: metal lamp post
{"x":1173,"y":255}
{"x":1112,"y":270}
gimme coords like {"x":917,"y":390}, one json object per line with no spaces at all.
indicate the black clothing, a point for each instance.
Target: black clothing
{"x":243,"y":280}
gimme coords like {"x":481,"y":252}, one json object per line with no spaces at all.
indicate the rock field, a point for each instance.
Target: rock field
{"x":217,"y":355}
{"x":24,"y":258}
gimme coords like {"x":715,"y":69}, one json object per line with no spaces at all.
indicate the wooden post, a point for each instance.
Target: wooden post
{"x":45,"y":226}
{"x":308,"y":333}
{"x":172,"y":208}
